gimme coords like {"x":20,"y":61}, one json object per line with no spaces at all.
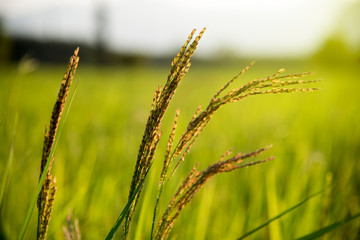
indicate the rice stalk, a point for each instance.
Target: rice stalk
{"x":165,"y":167}
{"x":273,"y":84}
{"x":46,"y":196}
{"x":126,"y":209}
{"x":44,"y":174}
{"x":179,"y":67}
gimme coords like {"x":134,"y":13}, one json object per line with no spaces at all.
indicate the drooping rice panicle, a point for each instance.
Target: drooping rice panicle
{"x":268,"y":85}
{"x":195,"y":181}
{"x":272,"y":84}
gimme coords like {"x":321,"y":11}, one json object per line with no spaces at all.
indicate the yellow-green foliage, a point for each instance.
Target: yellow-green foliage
{"x":315,"y":139}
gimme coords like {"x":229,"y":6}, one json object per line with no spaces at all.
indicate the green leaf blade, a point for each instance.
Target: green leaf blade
{"x":280,"y":215}
{"x":43,"y":175}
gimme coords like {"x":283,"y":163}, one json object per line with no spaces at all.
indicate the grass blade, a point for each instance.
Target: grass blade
{"x":280,"y":215}
{"x":8,"y":164}
{"x":126,"y":209}
{"x":43,"y":175}
{"x":329,"y":228}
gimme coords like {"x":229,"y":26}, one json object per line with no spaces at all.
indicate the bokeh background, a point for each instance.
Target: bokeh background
{"x":255,"y":29}
{"x":126,"y":48}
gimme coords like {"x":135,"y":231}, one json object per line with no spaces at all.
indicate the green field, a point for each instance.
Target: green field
{"x":315,"y":137}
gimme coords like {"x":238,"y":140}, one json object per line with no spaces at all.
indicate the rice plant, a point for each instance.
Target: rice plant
{"x":47,"y":194}
{"x":46,"y":189}
{"x":176,"y":150}
{"x":274,"y":84}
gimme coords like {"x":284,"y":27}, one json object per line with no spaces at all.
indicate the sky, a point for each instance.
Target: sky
{"x":284,"y":28}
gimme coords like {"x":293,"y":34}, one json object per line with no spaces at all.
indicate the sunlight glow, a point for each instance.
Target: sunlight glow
{"x":260,"y":27}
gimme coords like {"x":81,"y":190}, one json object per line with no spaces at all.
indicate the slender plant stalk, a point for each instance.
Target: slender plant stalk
{"x":164,"y":170}
{"x":47,"y":194}
{"x":126,"y":209}
{"x":46,"y":189}
{"x":179,"y":67}
{"x":273,"y":84}
{"x":43,"y":175}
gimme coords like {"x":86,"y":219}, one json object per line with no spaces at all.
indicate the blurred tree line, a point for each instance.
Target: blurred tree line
{"x":334,"y":50}
{"x":13,"y":49}
{"x":342,"y":46}
{"x":5,"y":45}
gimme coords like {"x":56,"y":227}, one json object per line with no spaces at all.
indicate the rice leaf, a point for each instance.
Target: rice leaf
{"x":126,"y":208}
{"x":329,"y":228}
{"x":280,"y":215}
{"x":8,"y":164}
{"x":43,"y":175}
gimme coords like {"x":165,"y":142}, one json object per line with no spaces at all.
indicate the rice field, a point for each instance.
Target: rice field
{"x":315,"y":138}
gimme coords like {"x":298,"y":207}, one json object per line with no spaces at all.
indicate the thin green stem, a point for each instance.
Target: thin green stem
{"x":43,"y":175}
{"x":126,"y":208}
{"x":8,"y":164}
{"x":328,"y":228}
{"x":155,"y":209}
{"x":280,"y":215}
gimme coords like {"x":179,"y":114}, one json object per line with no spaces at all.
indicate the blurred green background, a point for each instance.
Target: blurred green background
{"x":315,"y":137}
